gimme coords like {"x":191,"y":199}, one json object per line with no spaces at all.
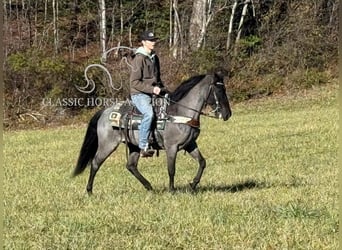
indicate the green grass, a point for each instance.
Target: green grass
{"x":271,"y":183}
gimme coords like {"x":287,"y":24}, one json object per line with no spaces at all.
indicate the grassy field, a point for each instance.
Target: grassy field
{"x":271,"y":183}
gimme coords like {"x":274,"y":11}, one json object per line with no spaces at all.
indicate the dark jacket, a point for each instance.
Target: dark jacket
{"x":145,"y":73}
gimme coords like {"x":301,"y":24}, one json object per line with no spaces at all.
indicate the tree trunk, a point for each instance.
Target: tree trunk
{"x":207,"y":18}
{"x":121,"y":22}
{"x":35,"y":39}
{"x":29,"y":21}
{"x":230,"y":30}
{"x":74,"y":28}
{"x":5,"y":25}
{"x":55,"y":26}
{"x":112,"y":32}
{"x":102,"y":7}
{"x":175,"y":30}
{"x":170,"y":23}
{"x":45,"y":11}
{"x":333,"y":14}
{"x":197,"y":24}
{"x":244,"y":11}
{"x":19,"y":25}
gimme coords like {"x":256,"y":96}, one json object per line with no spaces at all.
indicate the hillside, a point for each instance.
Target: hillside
{"x":275,"y":47}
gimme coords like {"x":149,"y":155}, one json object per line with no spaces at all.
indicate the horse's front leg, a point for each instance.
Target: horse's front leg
{"x":171,"y":166}
{"x":196,"y":154}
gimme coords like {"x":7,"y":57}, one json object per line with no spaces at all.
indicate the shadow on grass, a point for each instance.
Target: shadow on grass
{"x":238,"y":187}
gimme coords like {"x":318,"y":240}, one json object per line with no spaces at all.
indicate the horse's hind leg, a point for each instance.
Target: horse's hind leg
{"x":103,"y":151}
{"x":196,"y":154}
{"x":132,"y":166}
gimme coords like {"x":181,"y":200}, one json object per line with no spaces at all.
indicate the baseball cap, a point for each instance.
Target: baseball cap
{"x":148,"y":35}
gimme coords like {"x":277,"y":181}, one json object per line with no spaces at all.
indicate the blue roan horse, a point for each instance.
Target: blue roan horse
{"x":180,"y":131}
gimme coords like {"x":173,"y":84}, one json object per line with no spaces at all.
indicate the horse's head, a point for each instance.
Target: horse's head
{"x":218,"y":99}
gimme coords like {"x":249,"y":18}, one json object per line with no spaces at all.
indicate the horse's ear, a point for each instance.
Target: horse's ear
{"x":221,"y":73}
{"x":218,"y":76}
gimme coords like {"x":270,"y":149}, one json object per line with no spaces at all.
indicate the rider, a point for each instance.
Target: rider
{"x":144,"y":82}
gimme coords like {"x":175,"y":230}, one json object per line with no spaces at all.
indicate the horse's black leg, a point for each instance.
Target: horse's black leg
{"x":196,"y":154}
{"x":132,"y":166}
{"x":93,"y":170}
{"x":171,"y":166}
{"x":100,"y":156}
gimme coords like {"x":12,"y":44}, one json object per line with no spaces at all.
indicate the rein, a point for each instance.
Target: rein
{"x":199,"y":111}
{"x":187,"y":107}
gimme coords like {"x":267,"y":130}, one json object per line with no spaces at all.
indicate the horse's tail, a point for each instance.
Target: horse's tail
{"x":89,"y":147}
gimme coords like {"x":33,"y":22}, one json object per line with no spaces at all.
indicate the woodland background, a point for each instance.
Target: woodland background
{"x":267,"y":47}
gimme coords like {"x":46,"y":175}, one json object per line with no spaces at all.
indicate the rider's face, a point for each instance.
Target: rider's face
{"x":148,"y":45}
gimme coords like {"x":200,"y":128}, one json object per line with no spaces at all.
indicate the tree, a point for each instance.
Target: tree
{"x":55,"y":26}
{"x":243,"y":14}
{"x":197,"y":24}
{"x":176,"y":40}
{"x":102,"y":14}
{"x":230,"y":30}
{"x":203,"y":12}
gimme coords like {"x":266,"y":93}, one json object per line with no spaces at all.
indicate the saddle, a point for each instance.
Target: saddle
{"x":126,"y":109}
{"x":125,"y":115}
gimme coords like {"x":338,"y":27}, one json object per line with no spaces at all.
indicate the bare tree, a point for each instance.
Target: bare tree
{"x":244,"y":11}
{"x":230,"y":29}
{"x":112,"y":32}
{"x":176,"y":41}
{"x":197,"y":23}
{"x":121,"y":24}
{"x":35,"y":39}
{"x":102,"y":10}
{"x":55,"y":26}
{"x":170,"y":23}
{"x":203,"y":13}
{"x":5,"y":25}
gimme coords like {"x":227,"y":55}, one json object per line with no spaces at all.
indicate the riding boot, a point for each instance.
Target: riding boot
{"x":146,"y":152}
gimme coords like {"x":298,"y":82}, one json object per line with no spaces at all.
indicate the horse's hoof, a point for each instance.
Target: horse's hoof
{"x":193,"y":186}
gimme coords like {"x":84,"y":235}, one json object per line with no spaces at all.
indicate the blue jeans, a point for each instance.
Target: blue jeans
{"x":143,"y":103}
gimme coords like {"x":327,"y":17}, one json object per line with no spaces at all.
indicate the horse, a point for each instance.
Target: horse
{"x":186,"y":101}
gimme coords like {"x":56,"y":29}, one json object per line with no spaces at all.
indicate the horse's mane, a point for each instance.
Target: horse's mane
{"x":185,"y":87}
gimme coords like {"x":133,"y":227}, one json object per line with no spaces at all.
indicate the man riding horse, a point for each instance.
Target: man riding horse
{"x":144,"y":82}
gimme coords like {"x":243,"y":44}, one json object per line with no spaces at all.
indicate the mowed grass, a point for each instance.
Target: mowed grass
{"x":271,"y":182}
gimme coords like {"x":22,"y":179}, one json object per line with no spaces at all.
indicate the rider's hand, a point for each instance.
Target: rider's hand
{"x":156,"y":90}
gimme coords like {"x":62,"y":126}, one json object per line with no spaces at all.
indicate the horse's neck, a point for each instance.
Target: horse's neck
{"x":192,"y":104}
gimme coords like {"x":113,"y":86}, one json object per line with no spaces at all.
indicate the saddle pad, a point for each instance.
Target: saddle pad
{"x":179,"y":119}
{"x":115,"y":120}
{"x":121,"y":108}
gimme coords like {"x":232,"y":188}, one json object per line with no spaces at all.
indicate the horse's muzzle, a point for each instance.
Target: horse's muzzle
{"x":226,"y":116}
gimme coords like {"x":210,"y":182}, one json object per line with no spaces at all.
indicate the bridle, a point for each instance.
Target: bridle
{"x":217,"y":103}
